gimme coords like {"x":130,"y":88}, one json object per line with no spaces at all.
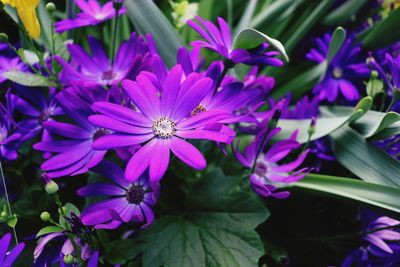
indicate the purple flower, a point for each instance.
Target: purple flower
{"x":38,"y":107}
{"x":163,"y":124}
{"x":132,"y":57}
{"x":7,"y":64}
{"x":345,"y":69}
{"x":190,"y":61}
{"x":129,"y":202}
{"x":268,"y":174}
{"x":220,"y":41}
{"x":75,"y":154}
{"x":10,"y":139}
{"x":7,"y":258}
{"x":92,"y":14}
{"x":382,"y":246}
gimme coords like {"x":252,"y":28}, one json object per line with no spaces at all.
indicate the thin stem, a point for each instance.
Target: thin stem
{"x":259,"y":151}
{"x":7,"y":199}
{"x":114,"y":44}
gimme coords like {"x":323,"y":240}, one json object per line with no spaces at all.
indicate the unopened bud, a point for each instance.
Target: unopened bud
{"x":3,"y":37}
{"x":311,"y":129}
{"x":50,"y":7}
{"x":68,"y":259}
{"x":45,"y":216}
{"x":50,"y":186}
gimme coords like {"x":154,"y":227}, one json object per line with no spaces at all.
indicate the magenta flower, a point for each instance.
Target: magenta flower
{"x":220,"y":41}
{"x":75,"y":154}
{"x":130,"y":202}
{"x":268,"y":174}
{"x":163,"y":124}
{"x":132,"y":57}
{"x":7,"y":258}
{"x":92,"y":14}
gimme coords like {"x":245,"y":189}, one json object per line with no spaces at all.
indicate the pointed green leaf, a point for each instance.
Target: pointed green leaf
{"x":344,"y":12}
{"x":27,"y":79}
{"x":381,"y":196}
{"x":48,"y":230}
{"x":250,"y":38}
{"x":338,"y":37}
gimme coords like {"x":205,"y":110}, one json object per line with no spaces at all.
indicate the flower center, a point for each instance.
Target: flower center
{"x":99,"y":133}
{"x":108,"y":75}
{"x":164,"y":128}
{"x":44,"y":116}
{"x":198,"y":110}
{"x":261,"y":169}
{"x":135,"y":194}
{"x":337,"y":72}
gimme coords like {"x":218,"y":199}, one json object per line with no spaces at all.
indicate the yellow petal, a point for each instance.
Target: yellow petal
{"x":30,"y":21}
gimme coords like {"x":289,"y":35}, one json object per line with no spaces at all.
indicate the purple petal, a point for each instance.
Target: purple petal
{"x":188,"y":153}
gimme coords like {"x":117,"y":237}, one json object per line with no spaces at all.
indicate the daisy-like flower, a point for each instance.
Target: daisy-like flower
{"x":27,"y":14}
{"x":268,"y":174}
{"x":344,"y":71}
{"x":7,"y":258}
{"x":163,"y":124}
{"x":92,"y":14}
{"x":10,"y":139}
{"x":129,"y":202}
{"x":220,"y":41}
{"x":74,"y":155}
{"x":38,"y":108}
{"x":7,"y":64}
{"x":132,"y":57}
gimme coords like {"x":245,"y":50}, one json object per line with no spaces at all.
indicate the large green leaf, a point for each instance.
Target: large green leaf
{"x":271,"y":11}
{"x":381,"y":196}
{"x":218,"y":229}
{"x":344,"y":12}
{"x":338,"y":37}
{"x":27,"y":79}
{"x":147,"y":18}
{"x":250,"y":38}
{"x":364,"y":159}
{"x":383,"y":33}
{"x":247,"y":15}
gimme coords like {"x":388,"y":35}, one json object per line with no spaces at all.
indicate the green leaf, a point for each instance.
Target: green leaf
{"x":218,"y":230}
{"x":48,"y":230}
{"x":27,"y":79}
{"x":344,"y":12}
{"x":302,"y":83}
{"x":324,"y":125}
{"x":383,"y":33}
{"x":374,"y":123}
{"x":45,"y":25}
{"x":364,"y":159}
{"x":270,"y":12}
{"x":381,"y":196}
{"x":247,"y":15}
{"x":122,"y":251}
{"x":250,"y":38}
{"x":70,"y":208}
{"x":374,"y":86}
{"x":338,"y":37}
{"x":147,"y":18}
{"x":12,"y":221}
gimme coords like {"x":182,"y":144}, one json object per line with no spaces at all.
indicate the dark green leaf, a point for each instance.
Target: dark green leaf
{"x":383,"y":33}
{"x":122,"y":251}
{"x":147,"y":18}
{"x":48,"y":230}
{"x":219,"y":229}
{"x":247,"y":15}
{"x":364,"y":159}
{"x":271,"y":11}
{"x":27,"y":79}
{"x":250,"y":38}
{"x":381,"y":196}
{"x":344,"y":12}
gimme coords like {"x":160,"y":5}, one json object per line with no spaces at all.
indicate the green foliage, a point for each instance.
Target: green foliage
{"x":344,"y":12}
{"x":48,"y":230}
{"x":338,"y":37}
{"x":27,"y":79}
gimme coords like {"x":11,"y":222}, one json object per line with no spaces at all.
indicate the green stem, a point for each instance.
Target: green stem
{"x":396,"y":95}
{"x":7,"y":199}
{"x":114,"y":44}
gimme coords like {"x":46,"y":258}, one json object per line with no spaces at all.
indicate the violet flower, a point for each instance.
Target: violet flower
{"x":10,"y":138}
{"x":390,"y":145}
{"x":344,"y":71}
{"x":129,"y":202}
{"x":268,"y":174}
{"x":10,"y":64}
{"x":75,"y":154}
{"x":219,"y":40}
{"x":92,"y":14}
{"x":7,"y":258}
{"x":132,"y":57}
{"x":163,"y":124}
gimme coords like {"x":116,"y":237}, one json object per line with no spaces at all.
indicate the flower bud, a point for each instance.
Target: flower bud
{"x":3,"y":37}
{"x":68,"y":259}
{"x":50,"y":7}
{"x":45,"y":216}
{"x":311,"y":129}
{"x":3,"y":214}
{"x":50,"y":186}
